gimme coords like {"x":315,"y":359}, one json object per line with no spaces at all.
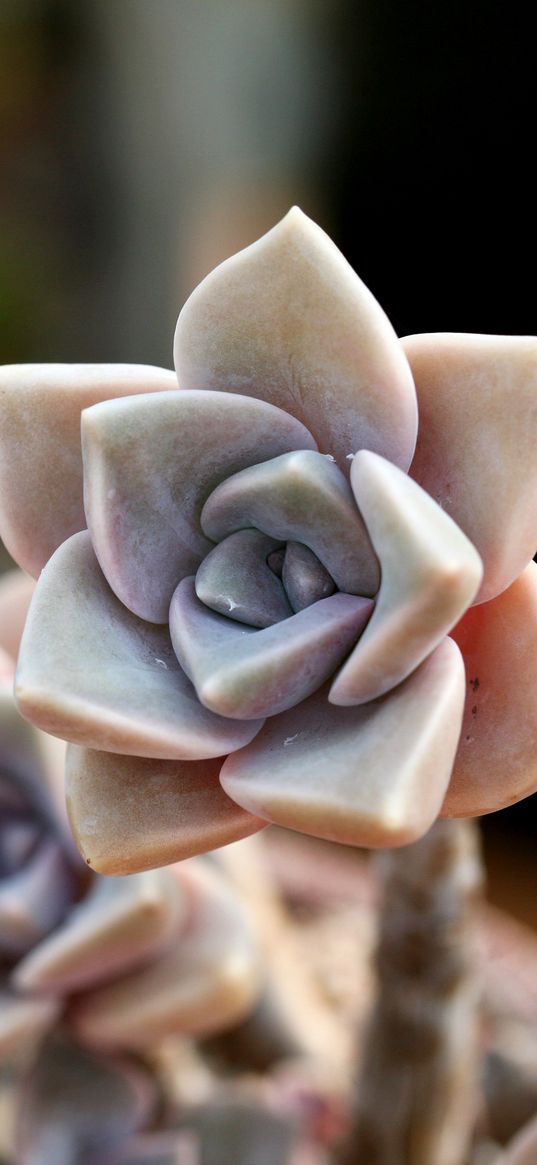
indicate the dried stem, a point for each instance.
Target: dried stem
{"x":417,"y":1094}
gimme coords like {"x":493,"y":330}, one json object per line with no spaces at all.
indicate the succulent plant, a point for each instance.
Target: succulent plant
{"x":273,"y":560}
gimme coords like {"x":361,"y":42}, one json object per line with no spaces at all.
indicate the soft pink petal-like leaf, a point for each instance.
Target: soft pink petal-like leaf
{"x":131,"y":813}
{"x":430,"y":574}
{"x":477,"y":440}
{"x":40,"y":456}
{"x":33,"y":900}
{"x":304,"y":497}
{"x":23,"y":1022}
{"x":242,"y":672}
{"x":76,"y":1106}
{"x":288,"y":321}
{"x":208,"y":981}
{"x":149,"y":465}
{"x":236,"y":580}
{"x":304,"y":577}
{"x":496,"y":763}
{"x":16,"y":590}
{"x":373,"y":775}
{"x":121,"y":923}
{"x":95,"y":674}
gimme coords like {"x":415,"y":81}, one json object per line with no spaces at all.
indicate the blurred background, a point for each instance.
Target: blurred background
{"x":142,"y":141}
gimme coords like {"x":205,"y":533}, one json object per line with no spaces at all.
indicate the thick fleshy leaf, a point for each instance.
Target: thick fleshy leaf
{"x":34,"y":899}
{"x":23,"y":1022}
{"x":496,"y":763}
{"x":131,"y":813}
{"x":76,"y":1106}
{"x":373,"y":775}
{"x":93,"y":673}
{"x":16,"y":590}
{"x":304,"y":497}
{"x":149,"y":465}
{"x":208,"y":981}
{"x":288,"y":321}
{"x":305,"y":578}
{"x":40,"y":456}
{"x":246,"y":673}
{"x":430,"y":574}
{"x":477,"y":440}
{"x":236,"y":580}
{"x":121,"y":923}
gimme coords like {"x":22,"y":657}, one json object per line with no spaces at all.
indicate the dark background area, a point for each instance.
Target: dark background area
{"x":142,"y":142}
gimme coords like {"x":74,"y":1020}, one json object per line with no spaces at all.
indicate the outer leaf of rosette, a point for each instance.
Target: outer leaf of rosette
{"x":40,"y":456}
{"x":496,"y":762}
{"x":150,"y":463}
{"x":369,"y":775}
{"x":288,"y":321}
{"x":477,"y":440}
{"x":93,"y":673}
{"x":131,"y":813}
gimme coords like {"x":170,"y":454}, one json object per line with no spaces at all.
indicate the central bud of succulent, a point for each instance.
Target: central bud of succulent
{"x":290,"y":545}
{"x":289,"y":534}
{"x":257,"y":580}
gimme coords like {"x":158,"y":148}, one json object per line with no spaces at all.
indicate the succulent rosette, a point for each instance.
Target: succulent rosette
{"x":254,"y":625}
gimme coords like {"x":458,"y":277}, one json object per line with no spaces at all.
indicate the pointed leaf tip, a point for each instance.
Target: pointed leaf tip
{"x":288,"y":321}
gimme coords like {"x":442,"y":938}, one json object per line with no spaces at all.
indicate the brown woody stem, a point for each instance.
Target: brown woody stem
{"x":417,"y":1095}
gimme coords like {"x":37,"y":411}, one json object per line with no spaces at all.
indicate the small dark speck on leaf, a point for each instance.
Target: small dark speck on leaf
{"x":88,"y":861}
{"x":474,"y":684}
{"x":474,"y":710}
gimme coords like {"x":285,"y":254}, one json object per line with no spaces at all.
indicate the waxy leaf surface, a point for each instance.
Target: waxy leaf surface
{"x":239,"y":671}
{"x":129,"y":813}
{"x":373,"y":775}
{"x":288,"y":321}
{"x":150,"y":464}
{"x":496,"y":762}
{"x":40,"y":457}
{"x":477,"y":440}
{"x":93,"y":673}
{"x":430,"y":574}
